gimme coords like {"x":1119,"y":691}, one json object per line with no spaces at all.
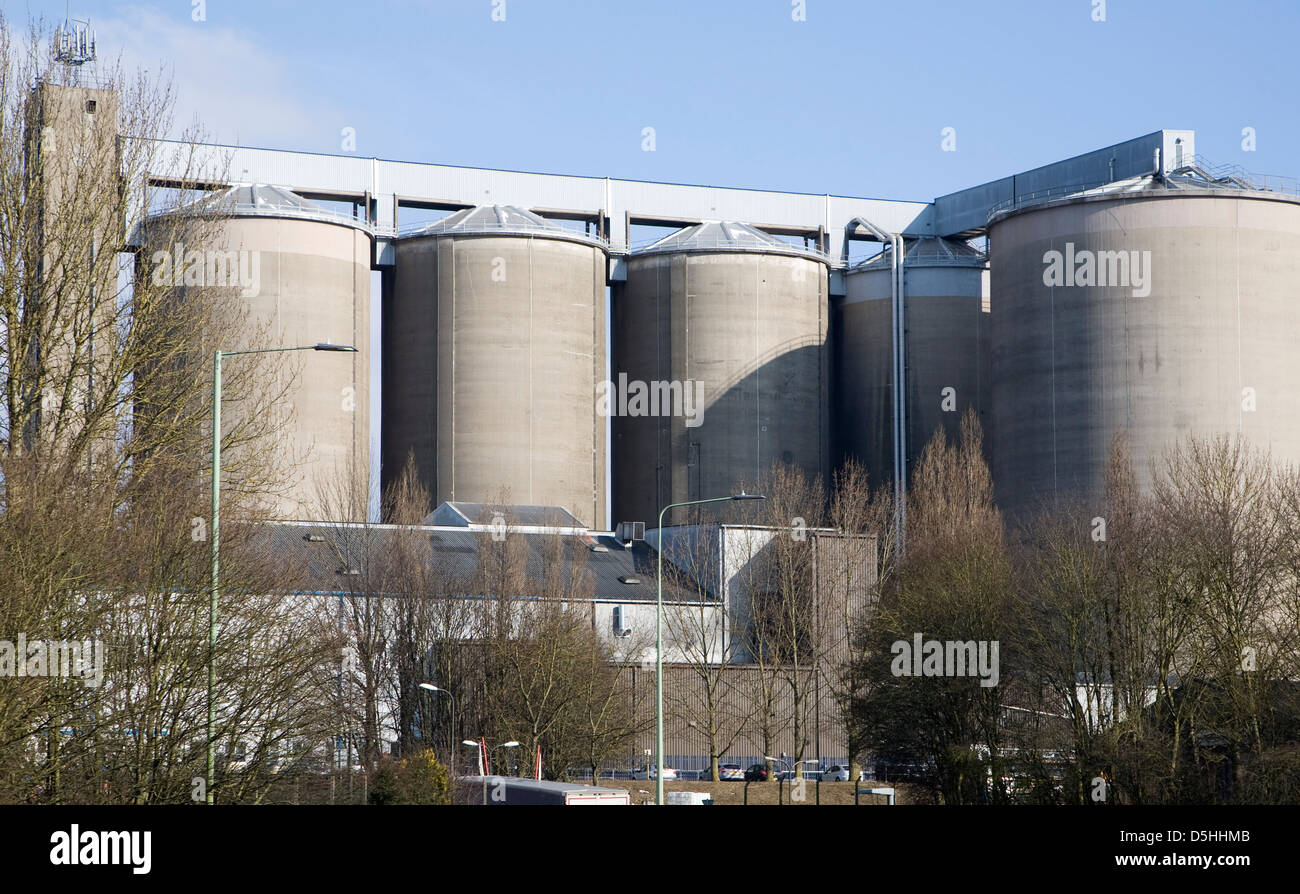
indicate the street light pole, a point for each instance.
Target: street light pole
{"x":659,"y":634}
{"x":482,"y":765}
{"x":216,"y":535}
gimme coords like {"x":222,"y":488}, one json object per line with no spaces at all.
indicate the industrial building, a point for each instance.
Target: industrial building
{"x":532,"y":353}
{"x":712,"y":574}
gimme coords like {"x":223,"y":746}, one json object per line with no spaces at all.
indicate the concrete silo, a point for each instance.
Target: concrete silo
{"x":494,"y":344}
{"x":1164,"y":307}
{"x":301,"y":276}
{"x":946,"y":312}
{"x":734,"y":321}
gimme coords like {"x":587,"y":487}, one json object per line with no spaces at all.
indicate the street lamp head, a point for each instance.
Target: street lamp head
{"x":744,"y":496}
{"x":430,"y":687}
{"x":511,"y":744}
{"x":326,"y":346}
{"x":470,"y":742}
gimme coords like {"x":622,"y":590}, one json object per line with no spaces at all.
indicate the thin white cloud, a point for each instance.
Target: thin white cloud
{"x":238,"y":89}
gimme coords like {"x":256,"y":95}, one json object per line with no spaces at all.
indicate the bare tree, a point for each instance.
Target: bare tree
{"x":105,"y":402}
{"x":702,"y":637}
{"x":952,"y":585}
{"x":853,"y":567}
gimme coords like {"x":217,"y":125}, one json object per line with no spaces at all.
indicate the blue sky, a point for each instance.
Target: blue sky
{"x":851,"y":101}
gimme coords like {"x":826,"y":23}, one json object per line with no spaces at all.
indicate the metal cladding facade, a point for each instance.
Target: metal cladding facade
{"x":946,"y":313}
{"x":1192,"y":332}
{"x":494,"y":347}
{"x":736,"y":320}
{"x":312,"y":285}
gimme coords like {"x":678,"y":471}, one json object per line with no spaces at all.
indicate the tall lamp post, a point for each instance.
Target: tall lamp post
{"x":659,"y":635}
{"x":429,"y":687}
{"x":216,"y":531}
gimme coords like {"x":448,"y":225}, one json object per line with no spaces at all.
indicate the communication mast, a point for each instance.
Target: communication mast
{"x":74,"y":46}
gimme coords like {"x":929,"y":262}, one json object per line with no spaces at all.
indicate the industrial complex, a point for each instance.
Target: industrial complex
{"x":594,"y":350}
{"x":1132,"y":288}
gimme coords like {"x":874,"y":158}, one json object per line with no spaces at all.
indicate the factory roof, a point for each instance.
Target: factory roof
{"x":499,"y":220}
{"x":725,"y":236}
{"x":462,"y":514}
{"x":340,"y":559}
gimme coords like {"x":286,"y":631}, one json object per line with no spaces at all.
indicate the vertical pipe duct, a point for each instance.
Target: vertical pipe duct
{"x":899,"y":413}
{"x":900,"y":394}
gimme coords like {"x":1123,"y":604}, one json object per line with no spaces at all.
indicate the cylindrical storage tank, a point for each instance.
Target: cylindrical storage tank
{"x":722,"y":328}
{"x":303,"y":276}
{"x":1164,"y":308}
{"x":494,"y":346}
{"x":946,"y":319}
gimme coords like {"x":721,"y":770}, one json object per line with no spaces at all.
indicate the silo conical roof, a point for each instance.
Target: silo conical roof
{"x":929,"y":251}
{"x":263,"y":200}
{"x":499,"y":220}
{"x":725,"y":236}
{"x":1191,"y":179}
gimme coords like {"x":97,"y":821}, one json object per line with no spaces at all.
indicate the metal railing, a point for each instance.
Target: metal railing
{"x":729,"y":245}
{"x":79,"y":78}
{"x":1246,"y":179}
{"x":1196,"y":167}
{"x":219,"y":208}
{"x":1041,"y":196}
{"x":280,"y":209}
{"x":416,"y":227}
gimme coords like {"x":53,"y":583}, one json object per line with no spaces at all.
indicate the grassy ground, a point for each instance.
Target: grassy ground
{"x":763,"y":792}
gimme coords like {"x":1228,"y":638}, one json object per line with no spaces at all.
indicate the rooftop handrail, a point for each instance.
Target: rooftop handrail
{"x":1224,"y":171}
{"x":81,"y":78}
{"x":697,"y":244}
{"x":1039,"y":196}
{"x":1216,"y":174}
{"x":226,"y":208}
{"x":478,"y":229}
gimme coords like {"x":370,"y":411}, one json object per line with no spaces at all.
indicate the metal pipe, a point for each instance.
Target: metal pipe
{"x":900,"y":395}
{"x":893,"y":340}
{"x":898,"y":338}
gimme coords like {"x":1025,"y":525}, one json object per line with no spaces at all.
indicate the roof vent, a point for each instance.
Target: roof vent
{"x":313,"y":538}
{"x":628,"y":579}
{"x":629,"y":532}
{"x":620,"y":623}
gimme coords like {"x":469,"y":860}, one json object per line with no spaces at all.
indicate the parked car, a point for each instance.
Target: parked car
{"x":642,"y":773}
{"x":756,"y":773}
{"x":840,"y":773}
{"x":731,"y":772}
{"x":809,"y":775}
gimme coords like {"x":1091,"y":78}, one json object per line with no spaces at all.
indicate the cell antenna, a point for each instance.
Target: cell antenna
{"x":74,"y":46}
